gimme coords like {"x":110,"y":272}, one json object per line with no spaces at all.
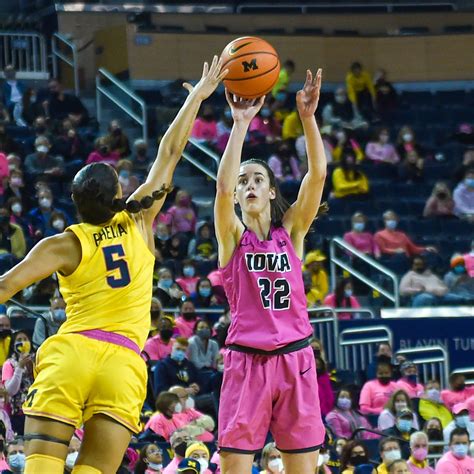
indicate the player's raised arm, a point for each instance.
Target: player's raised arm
{"x":176,"y":137}
{"x":228,"y":226}
{"x":299,"y":217}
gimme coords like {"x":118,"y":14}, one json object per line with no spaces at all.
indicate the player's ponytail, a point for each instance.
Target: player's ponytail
{"x":145,"y":202}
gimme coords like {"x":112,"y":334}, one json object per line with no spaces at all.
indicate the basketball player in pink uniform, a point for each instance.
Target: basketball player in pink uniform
{"x":270,"y":375}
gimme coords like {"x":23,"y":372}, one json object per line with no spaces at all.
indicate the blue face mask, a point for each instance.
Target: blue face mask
{"x":460,"y":450}
{"x":265,"y":113}
{"x":462,"y":421}
{"x":347,"y":293}
{"x":205,"y":292}
{"x":391,"y":224}
{"x":124,"y":174}
{"x":166,"y":283}
{"x":469,"y":182}
{"x":178,"y":355}
{"x":189,"y":271}
{"x":413,"y":378}
{"x":405,"y":425}
{"x":59,"y":315}
{"x":358,"y":226}
{"x":459,"y":269}
{"x":17,"y":461}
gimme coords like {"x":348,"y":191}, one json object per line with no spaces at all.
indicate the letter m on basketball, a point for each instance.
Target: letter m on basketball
{"x":250,"y":66}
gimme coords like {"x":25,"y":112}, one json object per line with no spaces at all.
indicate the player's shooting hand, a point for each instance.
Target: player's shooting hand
{"x":210,"y":79}
{"x":307,"y":98}
{"x":243,"y":110}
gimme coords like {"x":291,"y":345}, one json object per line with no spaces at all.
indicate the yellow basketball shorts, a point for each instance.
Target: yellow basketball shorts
{"x":77,"y":377}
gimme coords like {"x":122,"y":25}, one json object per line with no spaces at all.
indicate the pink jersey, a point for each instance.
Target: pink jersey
{"x":264,"y":285}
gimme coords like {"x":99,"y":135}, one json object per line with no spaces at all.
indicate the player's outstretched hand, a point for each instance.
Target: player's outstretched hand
{"x":243,"y":110}
{"x":211,"y":76}
{"x":307,"y":98}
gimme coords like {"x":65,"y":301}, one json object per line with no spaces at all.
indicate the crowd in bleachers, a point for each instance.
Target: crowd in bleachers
{"x":409,"y":203}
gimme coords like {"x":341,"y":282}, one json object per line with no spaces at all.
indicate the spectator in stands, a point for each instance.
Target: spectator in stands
{"x":280,"y":105}
{"x":12,"y":242}
{"x":389,"y":450}
{"x":417,"y":462}
{"x":361,"y":91}
{"x":313,"y":297}
{"x":205,"y":126}
{"x":381,"y":150}
{"x":344,"y":418}
{"x":469,"y":260}
{"x":325,"y":392}
{"x":284,"y":77}
{"x":140,"y":158}
{"x":409,"y":380}
{"x":398,"y":467}
{"x":5,"y":337}
{"x":391,"y":241}
{"x":51,"y":323}
{"x":197,"y":424}
{"x":314,"y":263}
{"x":464,"y":197}
{"x":458,"y":392}
{"x":57,"y":223}
{"x":14,"y":187}
{"x":4,"y":173}
{"x":182,"y":217}
{"x":30,"y":107}
{"x":12,"y":90}
{"x":167,"y":290}
{"x":271,"y":462}
{"x":118,"y":140}
{"x":264,"y":128}
{"x":434,"y":431}
{"x":60,"y":105}
{"x":102,"y":153}
{"x":187,"y":320}
{"x":348,"y":180}
{"x":411,"y":169}
{"x":16,"y":455}
{"x":223,"y":128}
{"x":431,"y":406}
{"x":42,"y":164}
{"x":398,"y":401}
{"x":204,"y":296}
{"x":343,"y":298}
{"x":179,"y":441}
{"x":458,"y":281}
{"x":346,"y":146}
{"x":189,"y":279}
{"x":424,"y":287}
{"x":7,"y":144}
{"x":150,"y":460}
{"x":286,"y":168}
{"x":167,"y":419}
{"x":407,"y":143}
{"x":384,"y":354}
{"x":160,"y":345}
{"x":457,"y":459}
{"x":340,"y":113}
{"x":203,"y":350}
{"x":467,"y":164}
{"x":17,"y":376}
{"x":462,"y":420}
{"x":359,"y":238}
{"x":127,"y":180}
{"x":354,"y":454}
{"x":385,"y":95}
{"x":203,"y":248}
{"x":200,"y":452}
{"x":292,"y":127}
{"x":440,"y":203}
{"x":376,"y":393}
{"x":176,"y":369}
{"x":402,"y":429}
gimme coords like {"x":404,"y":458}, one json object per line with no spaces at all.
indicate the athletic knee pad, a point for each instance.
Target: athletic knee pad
{"x":82,"y":469}
{"x":41,"y":463}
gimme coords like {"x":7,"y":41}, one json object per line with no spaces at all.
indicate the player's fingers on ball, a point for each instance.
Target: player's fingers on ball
{"x":205,"y":69}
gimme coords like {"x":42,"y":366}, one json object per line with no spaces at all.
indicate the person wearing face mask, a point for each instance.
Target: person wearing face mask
{"x":203,"y":248}
{"x":361,"y":90}
{"x":384,"y":354}
{"x":461,"y":420}
{"x":176,"y":369}
{"x":342,"y":298}
{"x":431,"y":405}
{"x":344,"y":419}
{"x":181,"y":216}
{"x":434,"y":431}
{"x":417,"y":463}
{"x":17,"y":217}
{"x":102,"y":153}
{"x":179,"y":442}
{"x":14,"y":188}
{"x":271,"y":462}
{"x":188,"y":466}
{"x":440,"y":203}
{"x":197,"y":424}
{"x":150,"y":460}
{"x":51,"y":323}
{"x":389,"y":450}
{"x":200,"y":453}
{"x":12,"y":242}
{"x":409,"y":381}
{"x":140,"y":159}
{"x":167,"y":290}
{"x":205,"y":126}
{"x":360,"y":238}
{"x":127,"y":179}
{"x":376,"y":393}
{"x":380,"y":150}
{"x":398,"y":401}
{"x":160,"y":345}
{"x":42,"y":163}
{"x":458,"y":281}
{"x":348,"y":180}
{"x":340,"y":113}
{"x":406,"y":143}
{"x":457,"y":460}
{"x":16,"y":456}
{"x":402,"y":429}
{"x":204,"y":296}
{"x":314,"y":263}
{"x":458,"y":391}
{"x":5,"y":337}
{"x":284,"y":164}
{"x":57,"y":223}
{"x":118,"y":140}
{"x":463,"y":196}
{"x":189,"y":279}
{"x":353,"y":456}
{"x":345,"y":144}
{"x":186,"y":321}
{"x":203,"y":350}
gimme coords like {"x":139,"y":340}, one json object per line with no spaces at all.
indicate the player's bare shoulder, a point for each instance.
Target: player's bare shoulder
{"x":67,"y":247}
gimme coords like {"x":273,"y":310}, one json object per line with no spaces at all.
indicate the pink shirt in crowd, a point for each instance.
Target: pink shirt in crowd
{"x":276,"y":165}
{"x":363,"y":241}
{"x":450,"y":464}
{"x":382,"y":153}
{"x":164,"y":426}
{"x":182,"y":219}
{"x":188,"y":284}
{"x":184,"y":328}
{"x":390,"y":240}
{"x":157,"y":349}
{"x":414,"y":391}
{"x":204,"y":130}
{"x":374,"y":396}
{"x":451,"y":398}
{"x":330,"y":300}
{"x":172,"y":467}
{"x":190,"y":415}
{"x":326,"y":394}
{"x":344,"y":422}
{"x":469,"y":262}
{"x":414,"y":469}
{"x":95,"y":157}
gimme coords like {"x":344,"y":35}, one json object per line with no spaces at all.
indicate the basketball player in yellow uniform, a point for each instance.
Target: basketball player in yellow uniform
{"x":91,"y":372}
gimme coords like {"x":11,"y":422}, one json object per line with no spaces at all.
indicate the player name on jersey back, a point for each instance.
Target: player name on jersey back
{"x":108,"y":232}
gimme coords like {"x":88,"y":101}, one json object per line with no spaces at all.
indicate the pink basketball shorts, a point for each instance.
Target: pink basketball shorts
{"x":276,"y":393}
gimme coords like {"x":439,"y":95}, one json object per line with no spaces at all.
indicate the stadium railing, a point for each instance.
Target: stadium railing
{"x":325,"y":326}
{"x":26,"y":52}
{"x":432,"y":362}
{"x":122,"y":96}
{"x":195,"y":153}
{"x":338,"y":244}
{"x":468,"y":373}
{"x":59,"y":43}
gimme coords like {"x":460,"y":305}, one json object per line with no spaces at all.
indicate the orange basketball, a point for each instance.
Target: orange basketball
{"x":253,"y":66}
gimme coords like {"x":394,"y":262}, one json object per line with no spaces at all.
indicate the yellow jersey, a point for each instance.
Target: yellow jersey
{"x":111,"y":289}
